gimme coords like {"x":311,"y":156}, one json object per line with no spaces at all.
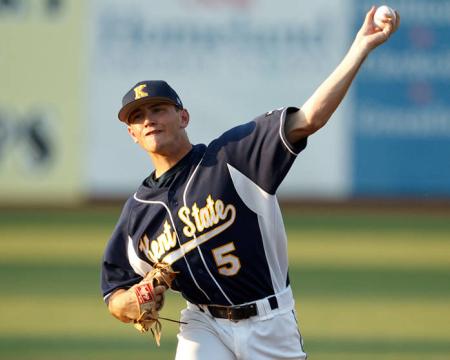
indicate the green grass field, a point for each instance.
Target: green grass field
{"x":368,"y":285}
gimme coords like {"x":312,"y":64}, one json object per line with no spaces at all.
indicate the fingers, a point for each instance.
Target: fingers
{"x":388,"y":30}
{"x":160,"y":289}
{"x":388,"y":22}
{"x":159,"y":296}
{"x":397,"y":22}
{"x":368,"y":21}
{"x":159,"y":302}
{"x":391,"y":22}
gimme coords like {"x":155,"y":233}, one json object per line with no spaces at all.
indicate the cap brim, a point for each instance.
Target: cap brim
{"x":126,"y":110}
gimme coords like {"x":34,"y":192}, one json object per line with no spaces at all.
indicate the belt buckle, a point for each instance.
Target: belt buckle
{"x":229,"y":315}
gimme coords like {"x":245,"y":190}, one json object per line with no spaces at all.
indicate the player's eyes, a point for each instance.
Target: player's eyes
{"x":138,"y":116}
{"x":156,"y":110}
{"x":135,"y":117}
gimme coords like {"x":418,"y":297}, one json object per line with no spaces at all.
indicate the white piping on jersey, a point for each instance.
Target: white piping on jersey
{"x":178,"y":238}
{"x":281,"y":132}
{"x":270,"y":224}
{"x":196,"y":240}
{"x":139,"y":266}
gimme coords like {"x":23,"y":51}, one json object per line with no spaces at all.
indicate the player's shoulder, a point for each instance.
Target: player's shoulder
{"x":273,"y":112}
{"x":272,"y":118}
{"x":280,"y":113}
{"x":128,"y":206}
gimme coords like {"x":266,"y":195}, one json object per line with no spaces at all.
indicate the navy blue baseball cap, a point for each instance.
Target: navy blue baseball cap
{"x":148,"y":91}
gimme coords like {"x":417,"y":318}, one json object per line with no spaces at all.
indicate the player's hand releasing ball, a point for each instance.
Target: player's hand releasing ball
{"x":382,"y":15}
{"x":372,"y":35}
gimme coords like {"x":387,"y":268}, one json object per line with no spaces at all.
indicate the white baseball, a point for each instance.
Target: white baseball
{"x":382,"y":13}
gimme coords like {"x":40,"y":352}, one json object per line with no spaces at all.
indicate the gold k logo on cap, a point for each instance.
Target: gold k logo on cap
{"x":148,"y":90}
{"x":139,"y":91}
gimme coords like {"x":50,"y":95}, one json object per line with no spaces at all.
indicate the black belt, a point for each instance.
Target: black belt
{"x":240,"y":312}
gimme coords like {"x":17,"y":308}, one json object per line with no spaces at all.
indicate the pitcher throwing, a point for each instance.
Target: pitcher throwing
{"x":210,"y":213}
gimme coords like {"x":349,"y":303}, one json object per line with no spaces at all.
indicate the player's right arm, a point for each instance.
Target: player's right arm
{"x":317,"y":110}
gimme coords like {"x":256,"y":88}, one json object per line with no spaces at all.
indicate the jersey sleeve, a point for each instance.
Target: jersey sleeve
{"x":117,"y":272}
{"x":260,"y":149}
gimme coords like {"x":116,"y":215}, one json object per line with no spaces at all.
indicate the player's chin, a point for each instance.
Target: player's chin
{"x":150,"y":146}
{"x":156,"y":146}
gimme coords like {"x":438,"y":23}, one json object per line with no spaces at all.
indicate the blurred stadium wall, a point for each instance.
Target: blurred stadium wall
{"x":65,"y":65}
{"x":42,"y":106}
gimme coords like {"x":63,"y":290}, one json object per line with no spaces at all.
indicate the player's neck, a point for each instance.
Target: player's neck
{"x":163,"y":162}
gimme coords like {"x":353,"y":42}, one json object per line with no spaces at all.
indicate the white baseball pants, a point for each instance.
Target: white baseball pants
{"x":271,"y":335}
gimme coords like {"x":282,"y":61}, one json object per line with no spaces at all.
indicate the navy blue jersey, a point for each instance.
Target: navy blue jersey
{"x":217,"y":221}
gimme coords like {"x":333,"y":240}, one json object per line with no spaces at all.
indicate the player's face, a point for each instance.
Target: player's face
{"x":158,"y":128}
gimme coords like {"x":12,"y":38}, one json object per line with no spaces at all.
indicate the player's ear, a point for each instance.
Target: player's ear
{"x":132,"y":134}
{"x":184,"y":118}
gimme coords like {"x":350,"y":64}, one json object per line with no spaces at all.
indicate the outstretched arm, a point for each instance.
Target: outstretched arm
{"x":317,"y":110}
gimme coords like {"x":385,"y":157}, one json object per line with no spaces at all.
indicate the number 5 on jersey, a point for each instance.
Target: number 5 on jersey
{"x":227,"y":264}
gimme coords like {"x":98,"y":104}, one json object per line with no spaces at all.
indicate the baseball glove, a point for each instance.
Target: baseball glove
{"x":161,"y":275}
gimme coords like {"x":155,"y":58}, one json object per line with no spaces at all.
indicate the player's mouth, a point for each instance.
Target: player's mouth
{"x":153,"y":132}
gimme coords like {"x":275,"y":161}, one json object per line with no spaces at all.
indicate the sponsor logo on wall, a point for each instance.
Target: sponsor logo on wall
{"x":40,"y":101}
{"x":402,"y":99}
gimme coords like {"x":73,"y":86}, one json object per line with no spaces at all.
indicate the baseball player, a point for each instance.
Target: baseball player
{"x":210,"y":212}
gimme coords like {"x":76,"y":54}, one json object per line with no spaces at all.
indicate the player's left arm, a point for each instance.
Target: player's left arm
{"x":317,"y":110}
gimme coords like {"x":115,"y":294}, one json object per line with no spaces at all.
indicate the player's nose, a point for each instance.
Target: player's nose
{"x":148,"y":119}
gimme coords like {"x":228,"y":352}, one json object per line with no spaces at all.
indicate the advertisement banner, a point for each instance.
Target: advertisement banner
{"x":230,"y":61}
{"x":41,"y":101}
{"x":402,"y":107}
